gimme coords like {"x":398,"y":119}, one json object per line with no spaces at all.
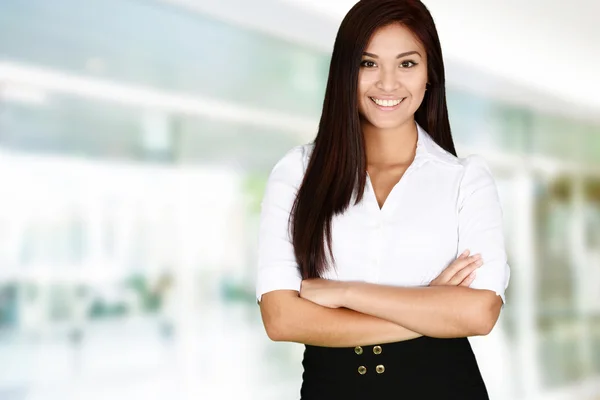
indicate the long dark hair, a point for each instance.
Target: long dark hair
{"x":337,"y":166}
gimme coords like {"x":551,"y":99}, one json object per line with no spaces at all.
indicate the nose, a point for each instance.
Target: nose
{"x":388,"y":80}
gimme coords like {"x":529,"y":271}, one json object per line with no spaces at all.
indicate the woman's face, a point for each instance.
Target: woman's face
{"x":392,"y":78}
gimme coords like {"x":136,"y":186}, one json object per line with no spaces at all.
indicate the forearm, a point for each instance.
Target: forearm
{"x":303,"y":321}
{"x":441,"y":311}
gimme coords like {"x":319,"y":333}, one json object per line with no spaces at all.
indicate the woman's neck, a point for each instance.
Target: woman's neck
{"x":390,"y":147}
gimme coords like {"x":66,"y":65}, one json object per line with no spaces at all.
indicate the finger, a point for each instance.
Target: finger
{"x":464,"y":273}
{"x":464,"y":254}
{"x":469,"y":279}
{"x":444,"y":277}
{"x":459,"y":264}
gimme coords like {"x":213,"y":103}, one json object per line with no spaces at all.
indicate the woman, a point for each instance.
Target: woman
{"x":395,"y":252}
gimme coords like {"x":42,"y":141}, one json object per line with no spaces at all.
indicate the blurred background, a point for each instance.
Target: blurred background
{"x":136,"y":137}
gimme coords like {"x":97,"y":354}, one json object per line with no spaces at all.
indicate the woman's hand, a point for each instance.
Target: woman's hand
{"x":324,"y":292}
{"x":461,"y":272}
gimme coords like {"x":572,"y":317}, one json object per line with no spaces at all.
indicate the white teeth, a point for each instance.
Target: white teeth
{"x":386,"y":103}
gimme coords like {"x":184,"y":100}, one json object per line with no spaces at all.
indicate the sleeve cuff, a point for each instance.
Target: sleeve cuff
{"x":277,"y":278}
{"x":494,"y":288}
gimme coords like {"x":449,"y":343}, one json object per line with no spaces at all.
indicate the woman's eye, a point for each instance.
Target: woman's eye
{"x":368,"y":64}
{"x":408,"y":64}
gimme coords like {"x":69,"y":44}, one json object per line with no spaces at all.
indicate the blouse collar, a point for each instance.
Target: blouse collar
{"x":428,"y":149}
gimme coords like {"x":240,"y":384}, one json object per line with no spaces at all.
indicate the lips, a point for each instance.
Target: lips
{"x":387,"y":104}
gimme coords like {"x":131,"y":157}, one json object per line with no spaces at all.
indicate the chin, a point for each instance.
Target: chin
{"x":389,"y":124}
{"x":386,"y":126}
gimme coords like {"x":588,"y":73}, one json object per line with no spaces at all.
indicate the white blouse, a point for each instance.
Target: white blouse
{"x":441,"y":206}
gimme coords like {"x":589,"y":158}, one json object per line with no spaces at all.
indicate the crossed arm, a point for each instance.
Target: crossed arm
{"x":441,"y":311}
{"x":290,"y":318}
{"x":357,"y":313}
{"x":342,"y":314}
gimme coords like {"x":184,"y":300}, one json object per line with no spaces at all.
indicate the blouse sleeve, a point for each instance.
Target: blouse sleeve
{"x":480,"y":226}
{"x":277,"y":266}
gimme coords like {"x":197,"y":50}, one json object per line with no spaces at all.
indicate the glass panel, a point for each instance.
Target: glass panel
{"x":595,"y":334}
{"x":553,"y":213}
{"x":590,"y":144}
{"x":561,"y":360}
{"x":487,"y":124}
{"x":74,"y":126}
{"x":555,"y":136}
{"x":80,"y":127}
{"x":466,"y":112}
{"x":165,"y":48}
{"x":208,"y":141}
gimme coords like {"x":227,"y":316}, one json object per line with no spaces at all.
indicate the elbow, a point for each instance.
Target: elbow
{"x":486,"y":315}
{"x":480,"y":324}
{"x":485,"y":326}
{"x":273,"y":326}
{"x":274,"y":309}
{"x":274,"y":331}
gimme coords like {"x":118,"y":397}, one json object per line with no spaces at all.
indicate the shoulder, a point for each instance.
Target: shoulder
{"x":292,"y":165}
{"x":476,"y":177}
{"x":444,"y":157}
{"x":469,"y":164}
{"x":471,"y":172}
{"x":474,"y":166}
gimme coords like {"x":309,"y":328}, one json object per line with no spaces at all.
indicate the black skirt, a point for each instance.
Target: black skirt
{"x":419,"y":369}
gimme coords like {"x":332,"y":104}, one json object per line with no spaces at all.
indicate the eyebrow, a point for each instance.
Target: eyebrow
{"x":408,"y":53}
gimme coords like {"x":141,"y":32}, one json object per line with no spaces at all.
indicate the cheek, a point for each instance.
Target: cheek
{"x":362,"y":97}
{"x":416,"y":83}
{"x":363,"y":86}
{"x":417,"y":93}
{"x":420,"y":81}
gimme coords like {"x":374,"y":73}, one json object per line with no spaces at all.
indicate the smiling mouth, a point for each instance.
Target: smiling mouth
{"x":387,"y":104}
